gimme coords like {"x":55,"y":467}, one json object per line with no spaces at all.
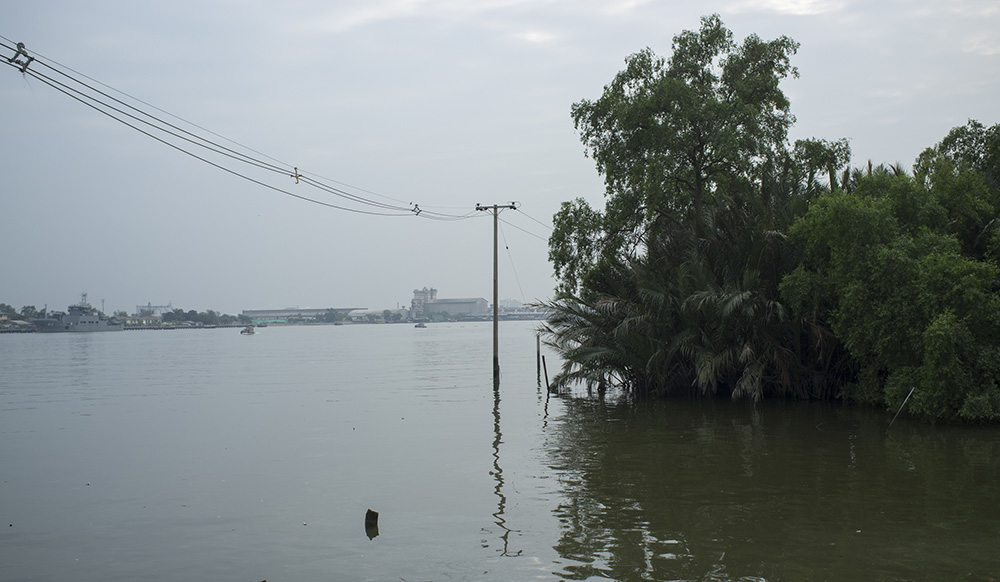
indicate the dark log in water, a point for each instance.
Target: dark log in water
{"x":371,"y":524}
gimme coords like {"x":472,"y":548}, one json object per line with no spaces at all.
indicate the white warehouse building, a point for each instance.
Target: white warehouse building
{"x":476,"y":306}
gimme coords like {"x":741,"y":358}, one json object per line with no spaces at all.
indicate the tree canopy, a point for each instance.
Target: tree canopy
{"x":671,"y":135}
{"x":728,"y":261}
{"x":902,"y":268}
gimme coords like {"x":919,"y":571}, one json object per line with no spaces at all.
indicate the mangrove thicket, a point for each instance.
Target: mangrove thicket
{"x":730,"y":262}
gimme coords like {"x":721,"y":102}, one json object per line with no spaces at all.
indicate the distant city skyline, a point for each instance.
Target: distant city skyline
{"x":137,"y":308}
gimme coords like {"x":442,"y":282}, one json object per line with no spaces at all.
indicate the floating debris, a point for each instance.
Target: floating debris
{"x":371,"y":524}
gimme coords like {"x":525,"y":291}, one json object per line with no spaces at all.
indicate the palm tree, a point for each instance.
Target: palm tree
{"x":699,"y":311}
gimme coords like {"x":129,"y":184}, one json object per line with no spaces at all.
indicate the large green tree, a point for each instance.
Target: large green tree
{"x":674,"y":285}
{"x":670,"y":136}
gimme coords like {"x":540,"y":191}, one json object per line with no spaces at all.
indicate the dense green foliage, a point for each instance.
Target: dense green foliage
{"x":902,"y":268}
{"x":209,"y":317}
{"x":331,"y":316}
{"x":728,"y":262}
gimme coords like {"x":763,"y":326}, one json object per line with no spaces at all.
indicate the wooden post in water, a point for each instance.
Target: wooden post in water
{"x":547,"y":388}
{"x":538,"y":356}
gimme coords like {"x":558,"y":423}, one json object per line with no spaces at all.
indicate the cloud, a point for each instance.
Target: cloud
{"x":359,"y":14}
{"x":356,"y":14}
{"x":972,"y":8}
{"x":537,"y":36}
{"x":982,"y":44}
{"x":364,"y":13}
{"x":790,"y":7}
{"x":623,"y":6}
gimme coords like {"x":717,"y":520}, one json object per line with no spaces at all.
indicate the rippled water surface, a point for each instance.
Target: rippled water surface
{"x":207,"y":455}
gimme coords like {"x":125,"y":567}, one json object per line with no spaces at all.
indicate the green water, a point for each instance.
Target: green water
{"x":206,"y":455}
{"x":786,"y":491}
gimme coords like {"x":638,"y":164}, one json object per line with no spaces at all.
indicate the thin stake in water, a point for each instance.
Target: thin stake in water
{"x":901,"y":407}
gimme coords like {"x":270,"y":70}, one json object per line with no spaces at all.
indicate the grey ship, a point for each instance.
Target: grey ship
{"x":81,"y":317}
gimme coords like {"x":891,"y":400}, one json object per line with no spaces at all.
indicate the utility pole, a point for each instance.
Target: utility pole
{"x":496,"y":318}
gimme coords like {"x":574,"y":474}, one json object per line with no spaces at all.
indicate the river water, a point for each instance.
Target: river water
{"x":207,"y":455}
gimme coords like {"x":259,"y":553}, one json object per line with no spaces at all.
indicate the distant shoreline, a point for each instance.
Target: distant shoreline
{"x":285,"y":324}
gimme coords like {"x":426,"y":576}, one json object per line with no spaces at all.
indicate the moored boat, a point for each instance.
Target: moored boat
{"x":82,"y":317}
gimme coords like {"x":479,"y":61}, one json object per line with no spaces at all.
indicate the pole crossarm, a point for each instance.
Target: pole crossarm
{"x":498,"y":207}
{"x":495,"y":210}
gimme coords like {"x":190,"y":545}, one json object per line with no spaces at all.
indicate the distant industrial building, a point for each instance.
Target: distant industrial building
{"x":420,"y":298}
{"x":476,"y":306}
{"x":425,"y":303}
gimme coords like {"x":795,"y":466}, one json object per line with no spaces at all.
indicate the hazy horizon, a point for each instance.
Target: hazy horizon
{"x":134,"y":309}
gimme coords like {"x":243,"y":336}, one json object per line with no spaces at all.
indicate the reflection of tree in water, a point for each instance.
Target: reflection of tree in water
{"x":690,"y":491}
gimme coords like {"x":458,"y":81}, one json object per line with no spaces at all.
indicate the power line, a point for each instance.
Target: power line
{"x":132,"y":97}
{"x":511,"y":257}
{"x":191,"y":123}
{"x":529,"y":233}
{"x":548,"y":226}
{"x":214,"y":164}
{"x":104,"y":103}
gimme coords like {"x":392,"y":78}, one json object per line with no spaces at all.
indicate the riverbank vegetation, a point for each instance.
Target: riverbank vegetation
{"x":209,"y":317}
{"x":175,"y":316}
{"x":729,"y":262}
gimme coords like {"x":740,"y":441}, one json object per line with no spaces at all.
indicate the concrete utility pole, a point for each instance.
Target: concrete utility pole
{"x":496,"y":325}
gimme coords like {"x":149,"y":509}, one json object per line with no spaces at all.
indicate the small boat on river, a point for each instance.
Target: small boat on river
{"x":421,"y":324}
{"x":248,"y":330}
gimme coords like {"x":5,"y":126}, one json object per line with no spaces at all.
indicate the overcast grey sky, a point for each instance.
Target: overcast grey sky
{"x":441,"y":103}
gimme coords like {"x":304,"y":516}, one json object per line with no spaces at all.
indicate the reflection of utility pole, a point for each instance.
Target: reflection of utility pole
{"x":499,"y":518}
{"x":496,"y":326}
